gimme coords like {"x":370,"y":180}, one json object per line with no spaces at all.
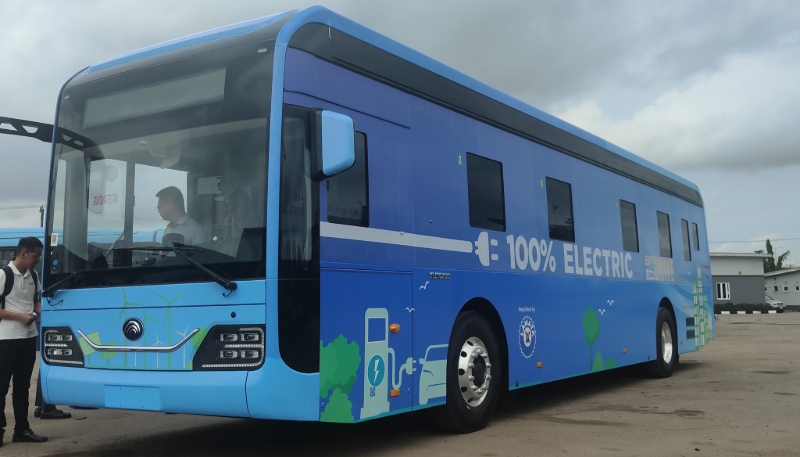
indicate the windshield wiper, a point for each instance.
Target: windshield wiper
{"x":222,"y":281}
{"x":72,"y":277}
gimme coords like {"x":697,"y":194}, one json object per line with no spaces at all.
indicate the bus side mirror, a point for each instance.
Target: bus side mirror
{"x":333,"y":143}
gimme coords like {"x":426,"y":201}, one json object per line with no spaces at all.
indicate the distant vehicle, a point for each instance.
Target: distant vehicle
{"x":777,"y":305}
{"x":9,"y":238}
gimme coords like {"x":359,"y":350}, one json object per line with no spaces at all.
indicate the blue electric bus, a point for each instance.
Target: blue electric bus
{"x":382,"y":234}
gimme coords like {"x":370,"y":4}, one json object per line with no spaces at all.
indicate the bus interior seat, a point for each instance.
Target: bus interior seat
{"x":251,"y":244}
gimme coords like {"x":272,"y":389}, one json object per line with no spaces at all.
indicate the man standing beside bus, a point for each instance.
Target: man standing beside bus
{"x":20,"y":308}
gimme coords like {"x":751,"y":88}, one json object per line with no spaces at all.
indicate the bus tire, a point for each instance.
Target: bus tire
{"x":666,"y":347}
{"x":474,"y":375}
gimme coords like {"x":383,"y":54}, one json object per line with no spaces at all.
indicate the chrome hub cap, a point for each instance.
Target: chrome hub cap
{"x":666,"y":342}
{"x":474,"y":371}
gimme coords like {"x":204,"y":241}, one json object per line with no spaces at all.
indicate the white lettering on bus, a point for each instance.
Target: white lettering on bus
{"x":568,"y":268}
{"x":588,"y":261}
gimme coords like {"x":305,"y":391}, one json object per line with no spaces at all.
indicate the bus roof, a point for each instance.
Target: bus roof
{"x":374,"y":55}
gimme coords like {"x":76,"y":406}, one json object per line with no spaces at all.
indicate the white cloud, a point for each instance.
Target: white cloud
{"x":742,"y":116}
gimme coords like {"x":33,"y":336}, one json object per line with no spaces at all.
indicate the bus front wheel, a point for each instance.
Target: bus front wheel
{"x":474,"y":375}
{"x":666,"y":347}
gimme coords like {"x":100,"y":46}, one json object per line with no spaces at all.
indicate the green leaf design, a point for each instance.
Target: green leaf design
{"x":94,"y":338}
{"x":591,"y":326}
{"x":108,"y":355}
{"x":198,"y":337}
{"x":338,"y":364}
{"x":338,"y":409}
{"x":597,"y":365}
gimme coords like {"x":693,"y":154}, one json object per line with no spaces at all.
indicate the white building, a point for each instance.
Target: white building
{"x":737,"y":277}
{"x":784,"y":286}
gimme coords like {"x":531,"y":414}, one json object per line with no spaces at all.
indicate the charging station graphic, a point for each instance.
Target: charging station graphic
{"x":377,"y":354}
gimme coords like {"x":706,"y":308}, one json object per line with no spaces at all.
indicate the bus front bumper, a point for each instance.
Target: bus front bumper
{"x":219,"y":393}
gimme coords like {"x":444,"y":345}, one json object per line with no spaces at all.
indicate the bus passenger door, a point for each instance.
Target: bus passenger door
{"x":366,"y":365}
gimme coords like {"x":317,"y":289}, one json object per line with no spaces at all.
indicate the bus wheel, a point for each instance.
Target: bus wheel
{"x":666,"y":347}
{"x":474,"y":375}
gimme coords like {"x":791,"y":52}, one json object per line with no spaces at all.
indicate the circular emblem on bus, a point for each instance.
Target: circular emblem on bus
{"x":527,"y":337}
{"x":133,"y":329}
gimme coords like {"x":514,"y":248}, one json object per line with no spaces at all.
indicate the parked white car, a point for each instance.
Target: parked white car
{"x":777,"y":305}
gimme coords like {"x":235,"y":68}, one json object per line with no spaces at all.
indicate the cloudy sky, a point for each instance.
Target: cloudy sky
{"x":708,"y":89}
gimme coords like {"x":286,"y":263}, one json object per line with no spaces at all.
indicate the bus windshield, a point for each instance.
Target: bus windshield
{"x":168,"y":156}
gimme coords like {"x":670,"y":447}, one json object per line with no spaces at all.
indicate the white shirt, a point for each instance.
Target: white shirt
{"x":19,"y":300}
{"x":191,"y":230}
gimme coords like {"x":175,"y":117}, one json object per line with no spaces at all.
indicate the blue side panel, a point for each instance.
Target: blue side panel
{"x":576,"y":307}
{"x":366,"y":370}
{"x":308,"y":75}
{"x":203,"y":37}
{"x":294,"y":398}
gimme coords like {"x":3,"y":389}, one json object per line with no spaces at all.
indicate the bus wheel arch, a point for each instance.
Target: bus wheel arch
{"x":485,"y":308}
{"x":475,"y":368}
{"x":666,"y":333}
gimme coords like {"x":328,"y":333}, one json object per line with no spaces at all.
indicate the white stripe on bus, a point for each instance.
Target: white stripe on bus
{"x":371,"y":235}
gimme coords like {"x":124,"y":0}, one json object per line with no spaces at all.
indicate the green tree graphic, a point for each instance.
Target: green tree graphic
{"x":591,"y":331}
{"x":338,"y":409}
{"x":598,"y":364}
{"x":338,"y":364}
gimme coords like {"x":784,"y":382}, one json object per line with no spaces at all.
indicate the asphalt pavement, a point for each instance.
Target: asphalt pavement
{"x":738,"y":396}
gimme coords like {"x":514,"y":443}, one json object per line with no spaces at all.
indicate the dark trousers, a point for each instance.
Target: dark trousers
{"x":17,"y":358}
{"x":46,"y":407}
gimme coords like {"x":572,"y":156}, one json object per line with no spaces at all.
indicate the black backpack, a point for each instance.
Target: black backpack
{"x":10,"y":284}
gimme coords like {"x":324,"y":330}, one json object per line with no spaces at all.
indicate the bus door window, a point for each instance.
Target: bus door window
{"x":559,"y":210}
{"x":664,"y":240}
{"x":298,"y":241}
{"x":695,"y":237}
{"x":485,"y":193}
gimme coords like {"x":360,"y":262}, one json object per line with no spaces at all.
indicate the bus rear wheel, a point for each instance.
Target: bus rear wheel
{"x":474,"y":375}
{"x":666,"y":347}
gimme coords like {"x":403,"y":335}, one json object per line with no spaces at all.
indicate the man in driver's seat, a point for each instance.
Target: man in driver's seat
{"x":172,"y":209}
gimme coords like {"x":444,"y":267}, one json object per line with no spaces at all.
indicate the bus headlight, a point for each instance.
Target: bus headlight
{"x":229,"y":347}
{"x":60,"y":347}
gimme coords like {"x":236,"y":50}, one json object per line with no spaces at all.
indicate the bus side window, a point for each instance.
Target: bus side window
{"x":559,"y":210}
{"x":348,"y":192}
{"x":687,"y":248}
{"x":664,"y":240}
{"x":695,"y":237}
{"x":630,"y":234}
{"x":487,"y":208}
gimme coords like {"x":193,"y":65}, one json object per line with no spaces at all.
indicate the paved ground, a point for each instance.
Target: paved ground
{"x":738,"y":396}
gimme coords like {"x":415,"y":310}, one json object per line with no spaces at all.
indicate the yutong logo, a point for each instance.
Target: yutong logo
{"x":133,"y":329}
{"x":440,"y":276}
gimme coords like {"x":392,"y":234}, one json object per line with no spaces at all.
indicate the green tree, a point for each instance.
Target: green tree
{"x":772,"y":263}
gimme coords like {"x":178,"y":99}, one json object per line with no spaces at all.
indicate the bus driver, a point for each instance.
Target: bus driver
{"x":172,"y":209}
